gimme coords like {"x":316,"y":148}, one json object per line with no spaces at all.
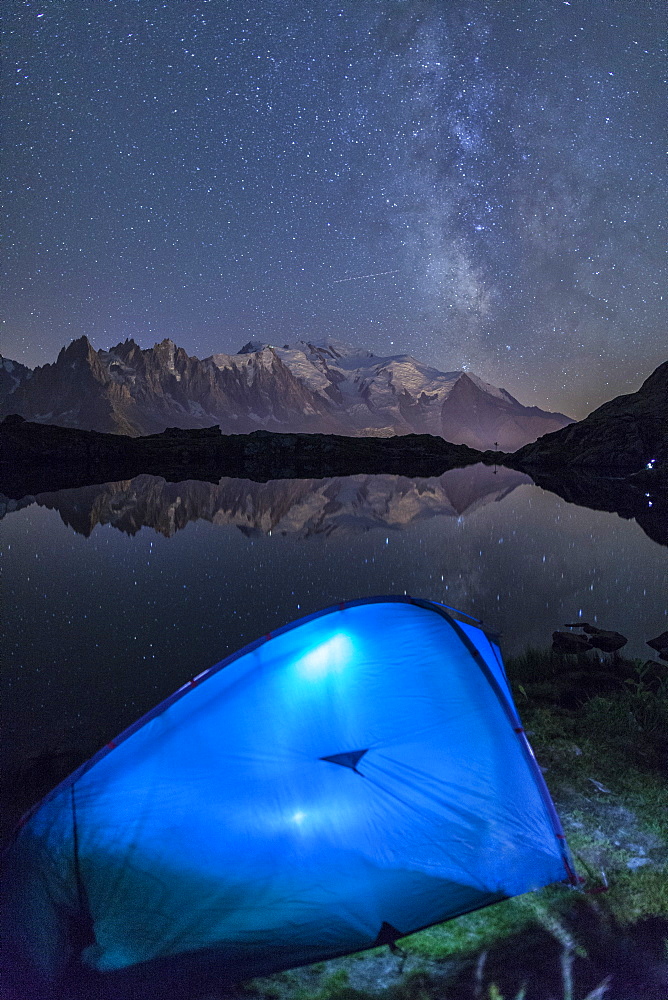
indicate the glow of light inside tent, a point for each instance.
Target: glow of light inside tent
{"x":299,"y":818}
{"x":326,"y":658}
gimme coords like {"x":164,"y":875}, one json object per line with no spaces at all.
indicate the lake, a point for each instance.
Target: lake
{"x":116,"y":594}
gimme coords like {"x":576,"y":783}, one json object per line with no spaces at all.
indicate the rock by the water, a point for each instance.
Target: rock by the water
{"x":609,"y":642}
{"x":597,"y":638}
{"x":570,"y":642}
{"x":660,"y":644}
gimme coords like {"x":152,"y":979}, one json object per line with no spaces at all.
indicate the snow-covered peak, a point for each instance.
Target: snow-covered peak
{"x":252,"y":347}
{"x":406,"y":367}
{"x":264,"y":356}
{"x":491,"y":389}
{"x":328,"y":348}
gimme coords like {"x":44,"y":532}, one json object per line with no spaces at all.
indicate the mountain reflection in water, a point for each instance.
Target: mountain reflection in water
{"x":298,"y":507}
{"x":346,"y":504}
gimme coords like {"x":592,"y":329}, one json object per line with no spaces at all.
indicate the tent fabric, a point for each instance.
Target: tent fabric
{"x":363,"y":768}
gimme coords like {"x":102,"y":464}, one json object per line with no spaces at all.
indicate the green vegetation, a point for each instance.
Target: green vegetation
{"x":604,"y":755}
{"x":620,"y":706}
{"x":599,"y":727}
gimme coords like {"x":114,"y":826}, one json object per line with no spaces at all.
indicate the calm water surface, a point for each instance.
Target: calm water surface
{"x":116,"y":594}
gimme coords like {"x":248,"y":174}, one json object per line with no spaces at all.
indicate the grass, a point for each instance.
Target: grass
{"x":619,"y":739}
{"x":599,"y":727}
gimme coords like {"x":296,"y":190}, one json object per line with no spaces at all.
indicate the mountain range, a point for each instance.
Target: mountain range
{"x":327,"y":387}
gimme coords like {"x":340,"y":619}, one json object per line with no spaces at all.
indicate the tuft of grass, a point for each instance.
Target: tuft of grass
{"x":415,"y":985}
{"x":335,"y":986}
{"x":279,"y":985}
{"x":471,"y":932}
{"x":618,"y":705}
{"x":494,"y":993}
{"x":634,"y":724}
{"x":336,"y":979}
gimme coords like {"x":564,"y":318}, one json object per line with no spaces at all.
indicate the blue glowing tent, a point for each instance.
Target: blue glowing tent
{"x":349,"y":779}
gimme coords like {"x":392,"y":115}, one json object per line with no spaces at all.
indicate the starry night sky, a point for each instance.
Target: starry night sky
{"x":477,"y":184}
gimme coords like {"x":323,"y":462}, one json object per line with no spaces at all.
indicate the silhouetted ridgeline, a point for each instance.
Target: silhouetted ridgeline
{"x":626,"y":434}
{"x":33,"y":454}
{"x":616,"y":459}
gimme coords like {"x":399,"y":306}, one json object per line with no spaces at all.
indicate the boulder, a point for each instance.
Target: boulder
{"x":598,"y":638}
{"x":609,"y":642}
{"x":660,"y":644}
{"x":570,"y":642}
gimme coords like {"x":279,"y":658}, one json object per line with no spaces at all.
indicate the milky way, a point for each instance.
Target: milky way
{"x":219,"y":171}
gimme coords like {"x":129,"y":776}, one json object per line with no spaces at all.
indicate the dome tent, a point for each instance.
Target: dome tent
{"x":353,"y":777}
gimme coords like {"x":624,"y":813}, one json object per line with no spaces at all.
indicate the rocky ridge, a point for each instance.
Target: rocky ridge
{"x":627,"y":434}
{"x":46,"y":456}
